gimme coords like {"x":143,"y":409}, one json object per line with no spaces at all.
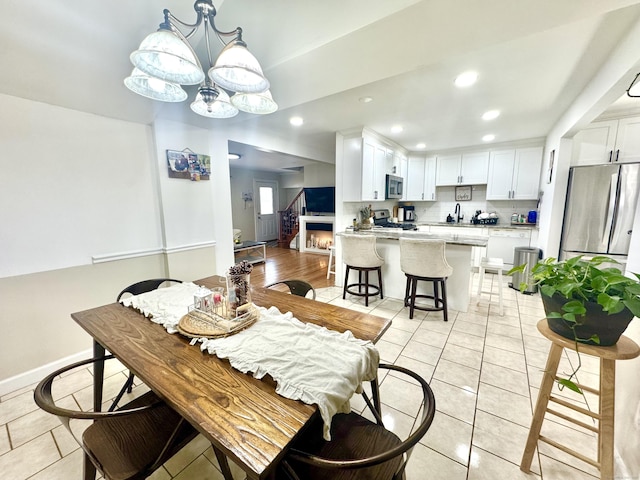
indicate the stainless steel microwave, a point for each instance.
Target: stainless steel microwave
{"x":393,"y":187}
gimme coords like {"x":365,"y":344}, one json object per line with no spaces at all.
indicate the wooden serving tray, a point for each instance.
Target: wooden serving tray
{"x":198,"y":324}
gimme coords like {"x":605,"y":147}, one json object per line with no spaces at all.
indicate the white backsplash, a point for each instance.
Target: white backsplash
{"x":437,"y":211}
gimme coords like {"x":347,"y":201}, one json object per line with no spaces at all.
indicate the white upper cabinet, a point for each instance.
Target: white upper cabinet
{"x":374,"y":161}
{"x":514,"y":174}
{"x":420,"y":180}
{"x":462,"y":169}
{"x":628,"y":140}
{"x":609,"y":141}
{"x":366,"y":160}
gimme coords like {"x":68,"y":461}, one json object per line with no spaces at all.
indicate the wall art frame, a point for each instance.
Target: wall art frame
{"x":188,"y":165}
{"x":463,"y":193}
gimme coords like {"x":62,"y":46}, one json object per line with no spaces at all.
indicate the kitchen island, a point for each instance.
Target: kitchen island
{"x":458,"y":254}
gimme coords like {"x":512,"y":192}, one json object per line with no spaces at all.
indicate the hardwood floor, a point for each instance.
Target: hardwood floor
{"x":289,"y":264}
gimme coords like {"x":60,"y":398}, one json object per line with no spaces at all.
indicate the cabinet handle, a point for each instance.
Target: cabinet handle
{"x":617,"y":154}
{"x":433,"y":196}
{"x":610,"y":155}
{"x":423,"y":196}
{"x":375,"y":194}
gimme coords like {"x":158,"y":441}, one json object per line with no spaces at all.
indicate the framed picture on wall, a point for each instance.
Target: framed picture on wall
{"x":552,"y":157}
{"x":188,"y":165}
{"x":463,"y":193}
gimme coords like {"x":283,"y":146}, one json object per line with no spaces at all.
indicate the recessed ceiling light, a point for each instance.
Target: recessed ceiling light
{"x":365,"y":99}
{"x":421,"y":145}
{"x":491,"y":114}
{"x":234,"y":156}
{"x":396,"y":128}
{"x":488,"y":138}
{"x":296,"y":121}
{"x":466,"y":79}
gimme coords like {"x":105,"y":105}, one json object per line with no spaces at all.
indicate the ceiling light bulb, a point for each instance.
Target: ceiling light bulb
{"x":396,"y":128}
{"x":421,"y":145}
{"x":491,"y":114}
{"x":365,"y":99}
{"x":233,"y":156}
{"x":466,"y":79}
{"x":488,"y":138}
{"x":296,"y":121}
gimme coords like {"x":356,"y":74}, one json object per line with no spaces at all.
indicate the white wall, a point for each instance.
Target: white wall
{"x":73,"y":185}
{"x":320,"y":175}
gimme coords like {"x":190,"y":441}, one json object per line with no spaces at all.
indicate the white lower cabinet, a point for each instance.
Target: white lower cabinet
{"x":503,"y":241}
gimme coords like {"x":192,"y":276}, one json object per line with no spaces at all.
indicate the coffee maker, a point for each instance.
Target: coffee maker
{"x":409,"y":213}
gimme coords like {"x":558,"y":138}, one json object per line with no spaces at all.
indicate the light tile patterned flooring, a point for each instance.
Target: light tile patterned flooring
{"x":484,"y":369}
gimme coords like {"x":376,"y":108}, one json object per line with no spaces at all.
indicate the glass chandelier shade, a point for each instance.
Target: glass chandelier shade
{"x":164,"y":55}
{"x":260,"y":103}
{"x":154,"y":88}
{"x":220,"y":107}
{"x":165,"y":60}
{"x":236,"y":69}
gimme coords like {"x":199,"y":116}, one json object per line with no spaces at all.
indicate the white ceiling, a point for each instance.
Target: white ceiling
{"x":533,"y":58}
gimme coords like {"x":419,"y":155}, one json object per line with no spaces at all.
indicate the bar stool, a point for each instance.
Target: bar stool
{"x":359,"y":253}
{"x":424,"y":260}
{"x":332,"y":250}
{"x":625,"y":349}
{"x":493,"y":264}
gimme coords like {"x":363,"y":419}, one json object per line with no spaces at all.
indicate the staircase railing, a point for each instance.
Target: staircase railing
{"x":289,"y":224}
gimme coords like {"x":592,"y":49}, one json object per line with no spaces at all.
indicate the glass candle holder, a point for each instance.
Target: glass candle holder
{"x":203,"y":299}
{"x":238,"y":291}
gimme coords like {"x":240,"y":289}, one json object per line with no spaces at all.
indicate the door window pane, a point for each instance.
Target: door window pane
{"x":266,"y":201}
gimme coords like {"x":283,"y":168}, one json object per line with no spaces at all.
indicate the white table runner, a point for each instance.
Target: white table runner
{"x":307,"y":362}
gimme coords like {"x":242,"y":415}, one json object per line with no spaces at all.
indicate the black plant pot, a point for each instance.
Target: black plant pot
{"x":609,"y":328}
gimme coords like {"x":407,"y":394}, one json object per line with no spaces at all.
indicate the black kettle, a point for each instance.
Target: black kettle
{"x":450,"y":219}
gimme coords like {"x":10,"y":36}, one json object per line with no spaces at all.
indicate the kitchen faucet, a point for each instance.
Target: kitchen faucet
{"x":458,"y":211}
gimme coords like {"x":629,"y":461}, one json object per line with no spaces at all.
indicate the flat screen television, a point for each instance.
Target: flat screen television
{"x":320,"y":200}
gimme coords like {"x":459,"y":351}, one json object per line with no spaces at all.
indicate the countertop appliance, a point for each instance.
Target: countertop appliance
{"x":381,"y":219}
{"x":393,"y":188}
{"x":409,"y":214}
{"x":599,"y":211}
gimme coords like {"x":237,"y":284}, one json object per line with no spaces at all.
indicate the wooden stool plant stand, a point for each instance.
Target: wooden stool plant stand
{"x":625,"y":349}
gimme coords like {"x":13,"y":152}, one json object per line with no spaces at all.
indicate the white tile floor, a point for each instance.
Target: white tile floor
{"x":484,"y":369}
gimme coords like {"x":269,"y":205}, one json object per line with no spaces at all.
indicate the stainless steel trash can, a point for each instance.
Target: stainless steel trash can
{"x":528,"y":256}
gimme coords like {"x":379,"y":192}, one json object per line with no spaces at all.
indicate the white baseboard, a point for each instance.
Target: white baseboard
{"x":31,"y":377}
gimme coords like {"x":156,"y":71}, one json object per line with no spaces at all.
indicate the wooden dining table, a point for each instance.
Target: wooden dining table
{"x":242,"y":417}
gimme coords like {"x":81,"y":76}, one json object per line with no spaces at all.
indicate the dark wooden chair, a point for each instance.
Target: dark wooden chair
{"x":136,"y":289}
{"x":360,"y":449}
{"x":128,"y":443}
{"x":296,"y":287}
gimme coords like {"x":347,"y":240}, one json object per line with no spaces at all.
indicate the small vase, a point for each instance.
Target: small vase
{"x":596,"y":321}
{"x":238,"y":291}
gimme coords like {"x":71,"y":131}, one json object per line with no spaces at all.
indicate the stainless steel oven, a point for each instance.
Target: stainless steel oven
{"x":393,"y":187}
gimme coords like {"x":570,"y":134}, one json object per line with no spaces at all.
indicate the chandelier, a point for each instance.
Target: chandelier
{"x":165,"y":61}
{"x":634,"y":88}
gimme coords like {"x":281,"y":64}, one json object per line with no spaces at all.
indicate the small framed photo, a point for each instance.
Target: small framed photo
{"x":552,"y":157}
{"x":463,"y":193}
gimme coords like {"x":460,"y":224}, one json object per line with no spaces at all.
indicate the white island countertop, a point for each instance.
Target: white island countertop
{"x":396,"y":233}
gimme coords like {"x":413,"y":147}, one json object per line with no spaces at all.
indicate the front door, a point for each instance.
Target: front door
{"x":266,"y":210}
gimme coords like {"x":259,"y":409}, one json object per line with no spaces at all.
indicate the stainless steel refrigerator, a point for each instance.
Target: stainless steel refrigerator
{"x":600,"y":208}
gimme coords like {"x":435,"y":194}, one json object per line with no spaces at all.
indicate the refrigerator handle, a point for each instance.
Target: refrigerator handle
{"x":608,"y":225}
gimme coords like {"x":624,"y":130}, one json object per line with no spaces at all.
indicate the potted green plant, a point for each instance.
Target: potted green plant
{"x":366,"y":215}
{"x":587,"y":300}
